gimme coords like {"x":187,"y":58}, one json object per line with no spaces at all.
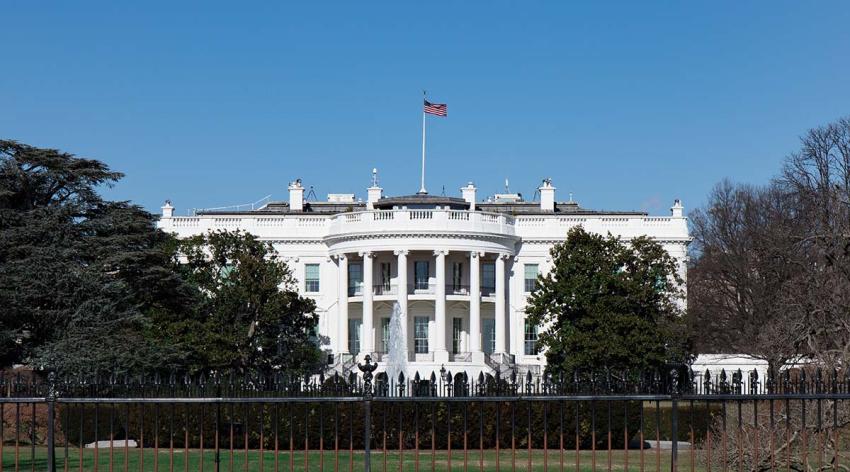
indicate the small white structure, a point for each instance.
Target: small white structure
{"x":715,"y":364}
{"x":460,"y":269}
{"x":115,"y":443}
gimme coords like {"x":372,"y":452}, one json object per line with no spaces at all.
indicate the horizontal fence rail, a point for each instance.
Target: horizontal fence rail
{"x":793,"y":421}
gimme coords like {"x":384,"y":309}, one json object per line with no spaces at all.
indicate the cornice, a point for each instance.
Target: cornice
{"x":317,"y":241}
{"x":493,"y":237}
{"x":551,"y":241}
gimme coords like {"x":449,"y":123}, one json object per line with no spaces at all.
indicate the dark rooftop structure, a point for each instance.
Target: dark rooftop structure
{"x":421,"y":201}
{"x":424,"y":201}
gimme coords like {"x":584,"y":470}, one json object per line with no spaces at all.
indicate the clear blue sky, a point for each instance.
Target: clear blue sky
{"x":628,"y":104}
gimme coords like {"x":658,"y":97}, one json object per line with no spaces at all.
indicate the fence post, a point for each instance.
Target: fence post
{"x":367,"y":435}
{"x":51,"y":419}
{"x":674,"y":420}
{"x":218,"y":426}
{"x":367,"y":370}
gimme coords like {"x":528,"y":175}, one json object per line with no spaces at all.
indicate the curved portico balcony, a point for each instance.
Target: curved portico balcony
{"x":459,"y":229}
{"x":384,"y":292}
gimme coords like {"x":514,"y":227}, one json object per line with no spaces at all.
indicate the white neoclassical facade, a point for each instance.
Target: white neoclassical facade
{"x":460,"y":269}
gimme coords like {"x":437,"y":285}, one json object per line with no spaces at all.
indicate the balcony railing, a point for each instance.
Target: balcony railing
{"x":418,"y":219}
{"x":385,"y":289}
{"x":457,"y":289}
{"x":357,"y":289}
{"x":421,"y":287}
{"x":460,"y":357}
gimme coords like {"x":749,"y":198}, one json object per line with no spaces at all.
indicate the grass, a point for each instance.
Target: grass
{"x":150,"y":460}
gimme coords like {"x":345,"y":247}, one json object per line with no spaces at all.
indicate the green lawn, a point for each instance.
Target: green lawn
{"x":148,"y":460}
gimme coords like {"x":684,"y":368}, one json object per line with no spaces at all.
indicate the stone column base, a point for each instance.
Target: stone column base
{"x":478,"y":357}
{"x":441,"y":357}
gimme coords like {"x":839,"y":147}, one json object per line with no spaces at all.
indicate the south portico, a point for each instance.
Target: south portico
{"x":453,"y":303}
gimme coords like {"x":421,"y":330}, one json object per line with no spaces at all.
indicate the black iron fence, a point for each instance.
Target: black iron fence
{"x":671,"y":420}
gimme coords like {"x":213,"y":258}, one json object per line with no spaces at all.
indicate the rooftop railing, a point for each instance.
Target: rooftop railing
{"x":418,"y":219}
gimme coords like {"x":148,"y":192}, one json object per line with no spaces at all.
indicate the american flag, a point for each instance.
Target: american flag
{"x":438,"y":109}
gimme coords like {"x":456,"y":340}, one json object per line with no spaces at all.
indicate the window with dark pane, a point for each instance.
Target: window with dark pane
{"x":311,"y":278}
{"x":531,"y":272}
{"x":530,"y":339}
{"x":420,"y":334}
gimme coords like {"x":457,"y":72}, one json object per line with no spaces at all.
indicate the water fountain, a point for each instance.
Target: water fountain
{"x":396,"y":348}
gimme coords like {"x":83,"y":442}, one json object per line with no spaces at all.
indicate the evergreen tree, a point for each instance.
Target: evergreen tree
{"x":251,"y":316}
{"x":79,"y":275}
{"x":608,"y":304}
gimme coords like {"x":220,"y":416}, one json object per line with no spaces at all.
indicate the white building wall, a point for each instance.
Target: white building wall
{"x":526,"y":239}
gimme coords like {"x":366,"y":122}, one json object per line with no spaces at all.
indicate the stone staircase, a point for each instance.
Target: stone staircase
{"x":343,"y":364}
{"x":505,"y":364}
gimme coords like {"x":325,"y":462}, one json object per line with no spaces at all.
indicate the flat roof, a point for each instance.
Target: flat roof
{"x":425,"y":201}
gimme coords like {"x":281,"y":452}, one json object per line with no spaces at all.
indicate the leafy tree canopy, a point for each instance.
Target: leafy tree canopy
{"x":608,"y":304}
{"x":251,"y":316}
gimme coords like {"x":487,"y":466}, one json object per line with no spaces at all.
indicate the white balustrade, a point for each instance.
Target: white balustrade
{"x":416,"y":220}
{"x":535,"y":226}
{"x":420,"y":220}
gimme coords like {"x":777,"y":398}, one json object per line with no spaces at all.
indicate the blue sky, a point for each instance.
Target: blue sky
{"x":626,"y":104}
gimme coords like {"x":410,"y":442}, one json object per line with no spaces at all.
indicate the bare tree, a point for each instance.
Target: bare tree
{"x":743,"y":264}
{"x":819,"y":178}
{"x":770,"y":275}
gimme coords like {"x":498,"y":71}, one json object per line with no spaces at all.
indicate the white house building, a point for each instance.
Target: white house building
{"x":460,"y":269}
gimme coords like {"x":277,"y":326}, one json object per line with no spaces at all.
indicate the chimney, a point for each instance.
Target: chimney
{"x":167,"y":210}
{"x":547,"y":195}
{"x":468,"y":193}
{"x":373,"y":193}
{"x":296,"y":196}
{"x":677,"y":210}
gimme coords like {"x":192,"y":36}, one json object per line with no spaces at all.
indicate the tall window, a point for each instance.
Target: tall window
{"x":312,"y":335}
{"x":311,"y":278}
{"x":420,"y":275}
{"x":354,"y":335}
{"x":457,"y":332}
{"x":457,"y":276}
{"x":488,"y":329}
{"x":385,"y":333}
{"x":355,"y":278}
{"x":530,"y":339}
{"x":386,"y":276}
{"x":488,"y":277}
{"x":420,"y":334}
{"x":530,"y":277}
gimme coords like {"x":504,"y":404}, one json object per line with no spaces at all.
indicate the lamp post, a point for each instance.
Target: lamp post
{"x":367,"y":368}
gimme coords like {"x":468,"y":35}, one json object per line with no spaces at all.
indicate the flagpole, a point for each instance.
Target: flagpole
{"x":422,"y":186}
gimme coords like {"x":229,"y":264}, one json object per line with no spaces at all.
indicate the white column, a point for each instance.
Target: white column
{"x":500,"y":303}
{"x":440,"y":352}
{"x":515,"y":317}
{"x":342,"y":305}
{"x":367,"y":343}
{"x":474,"y":303}
{"x":401,"y":287}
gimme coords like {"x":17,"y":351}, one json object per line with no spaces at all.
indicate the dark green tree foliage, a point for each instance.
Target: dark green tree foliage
{"x":608,"y":304}
{"x":252,"y":317}
{"x":78,"y":274}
